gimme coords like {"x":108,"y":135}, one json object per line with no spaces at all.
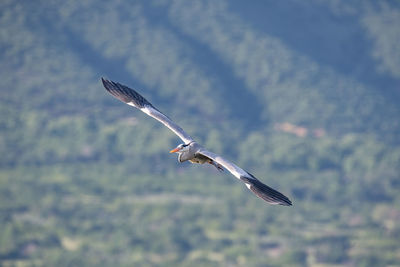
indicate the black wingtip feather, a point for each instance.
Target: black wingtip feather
{"x":124,"y":93}
{"x":268,"y":194}
{"x":265,"y":192}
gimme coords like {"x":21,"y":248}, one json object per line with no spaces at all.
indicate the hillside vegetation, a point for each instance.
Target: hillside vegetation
{"x":305,"y":95}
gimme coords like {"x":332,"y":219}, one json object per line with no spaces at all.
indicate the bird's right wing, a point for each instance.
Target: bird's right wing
{"x":256,"y":186}
{"x":133,"y":98}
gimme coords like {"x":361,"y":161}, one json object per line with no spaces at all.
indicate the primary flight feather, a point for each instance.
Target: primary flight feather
{"x":191,"y":150}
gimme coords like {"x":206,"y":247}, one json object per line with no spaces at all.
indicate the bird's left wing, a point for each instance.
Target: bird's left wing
{"x":256,"y":186}
{"x":133,"y":98}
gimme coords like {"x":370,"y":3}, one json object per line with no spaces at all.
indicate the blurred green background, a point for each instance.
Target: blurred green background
{"x":304,"y":94}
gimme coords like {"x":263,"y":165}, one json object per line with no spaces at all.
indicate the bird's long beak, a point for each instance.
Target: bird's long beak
{"x":174,"y":150}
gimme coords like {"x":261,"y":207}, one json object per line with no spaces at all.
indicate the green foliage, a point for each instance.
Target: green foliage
{"x":86,"y":180}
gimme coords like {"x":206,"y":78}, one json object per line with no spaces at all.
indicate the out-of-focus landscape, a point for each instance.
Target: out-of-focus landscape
{"x":303,"y":94}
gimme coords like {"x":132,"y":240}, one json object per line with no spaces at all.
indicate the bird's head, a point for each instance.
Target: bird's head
{"x":180,"y":149}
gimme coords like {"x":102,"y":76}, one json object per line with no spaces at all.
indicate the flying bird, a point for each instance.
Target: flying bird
{"x":190,"y":150}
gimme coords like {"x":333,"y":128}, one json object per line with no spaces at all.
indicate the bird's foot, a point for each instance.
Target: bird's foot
{"x":217,"y":165}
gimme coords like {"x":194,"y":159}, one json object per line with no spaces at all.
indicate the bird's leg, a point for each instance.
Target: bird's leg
{"x":216,"y":165}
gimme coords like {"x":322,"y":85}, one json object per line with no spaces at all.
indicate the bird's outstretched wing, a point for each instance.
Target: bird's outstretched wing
{"x":256,"y":186}
{"x":133,"y":98}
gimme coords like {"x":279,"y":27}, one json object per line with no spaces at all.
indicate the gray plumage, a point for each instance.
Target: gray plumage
{"x":133,"y":98}
{"x":191,"y":150}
